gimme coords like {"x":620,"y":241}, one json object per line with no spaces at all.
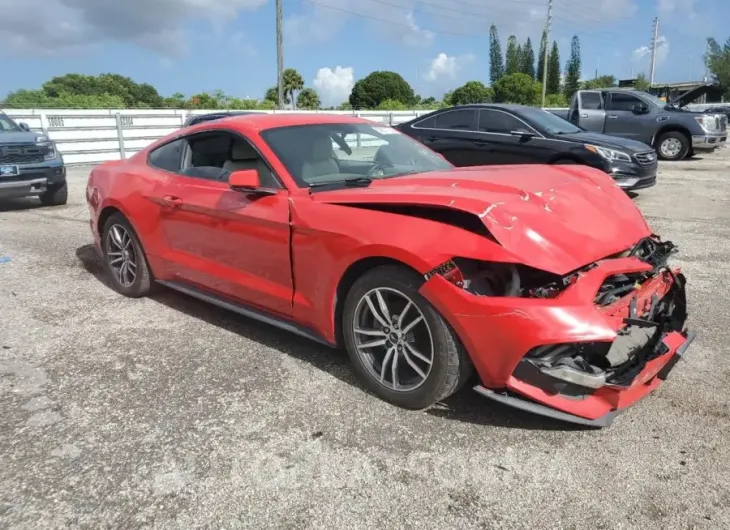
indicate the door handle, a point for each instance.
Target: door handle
{"x":169,"y":200}
{"x":584,"y":115}
{"x":432,"y":138}
{"x":612,"y":116}
{"x":481,"y":144}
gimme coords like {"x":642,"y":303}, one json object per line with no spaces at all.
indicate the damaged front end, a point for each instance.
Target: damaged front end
{"x":640,"y":303}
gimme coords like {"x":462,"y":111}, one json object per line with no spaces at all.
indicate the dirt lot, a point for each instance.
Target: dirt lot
{"x":166,"y":412}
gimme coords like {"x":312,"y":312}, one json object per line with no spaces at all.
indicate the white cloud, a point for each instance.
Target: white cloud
{"x":445,"y":69}
{"x":334,"y":86}
{"x":53,"y":27}
{"x":662,"y":51}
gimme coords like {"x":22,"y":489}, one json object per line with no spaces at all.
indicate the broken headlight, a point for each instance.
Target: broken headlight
{"x":486,"y":278}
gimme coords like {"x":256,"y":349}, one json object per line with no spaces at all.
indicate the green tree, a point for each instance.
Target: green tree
{"x":527,"y":59}
{"x":308,"y":99}
{"x":553,"y":73}
{"x":641,"y":83}
{"x":132,"y":93}
{"x":471,"y":92}
{"x":38,"y":99}
{"x":572,"y":69}
{"x":541,"y":57}
{"x":369,"y":92}
{"x":717,"y":60}
{"x":518,"y":88}
{"x":496,"y":62}
{"x":602,"y":81}
{"x":556,"y":101}
{"x":391,"y":104}
{"x":512,"y":58}
{"x":293,"y":82}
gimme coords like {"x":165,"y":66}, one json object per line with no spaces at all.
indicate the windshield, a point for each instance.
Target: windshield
{"x":6,"y":124}
{"x":335,"y":152}
{"x":548,"y":122}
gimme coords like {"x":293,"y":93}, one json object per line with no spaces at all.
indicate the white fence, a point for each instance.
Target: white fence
{"x":90,"y":136}
{"x":97,"y":135}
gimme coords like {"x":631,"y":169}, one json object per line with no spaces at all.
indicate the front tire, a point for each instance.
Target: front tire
{"x":398,"y":343}
{"x":124,"y":258}
{"x":55,"y":196}
{"x":673,"y":145}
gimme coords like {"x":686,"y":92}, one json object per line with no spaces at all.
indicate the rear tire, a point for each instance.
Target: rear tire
{"x":439,"y":366}
{"x":673,"y":145}
{"x":124,"y":258}
{"x":55,"y":196}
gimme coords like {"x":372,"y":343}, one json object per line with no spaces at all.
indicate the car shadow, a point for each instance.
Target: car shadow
{"x":464,"y":406}
{"x":16,"y":205}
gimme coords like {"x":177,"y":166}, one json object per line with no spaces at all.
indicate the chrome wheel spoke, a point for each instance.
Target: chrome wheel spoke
{"x":370,"y":332}
{"x":417,"y":354}
{"x":120,"y":255}
{"x":394,"y":369}
{"x":413,"y":365}
{"x":383,"y":305}
{"x":116,"y":260}
{"x":117,"y":237}
{"x":403,"y":314}
{"x":410,"y":326}
{"x":388,"y":356}
{"x":372,"y":344}
{"x":375,"y":313}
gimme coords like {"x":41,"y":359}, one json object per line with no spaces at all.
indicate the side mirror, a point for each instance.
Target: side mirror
{"x":24,"y":126}
{"x":523,"y":133}
{"x":246,"y":179}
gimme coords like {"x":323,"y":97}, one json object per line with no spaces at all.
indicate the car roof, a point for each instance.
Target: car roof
{"x":261,"y":122}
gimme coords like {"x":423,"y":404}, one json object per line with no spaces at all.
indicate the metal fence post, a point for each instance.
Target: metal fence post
{"x":120,"y":136}
{"x":390,"y":119}
{"x":44,"y":123}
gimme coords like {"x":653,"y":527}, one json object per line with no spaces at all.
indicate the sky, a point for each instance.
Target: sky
{"x":193,"y":46}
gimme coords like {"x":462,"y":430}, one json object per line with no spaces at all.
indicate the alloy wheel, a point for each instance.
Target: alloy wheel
{"x":120,"y":255}
{"x":393,"y":339}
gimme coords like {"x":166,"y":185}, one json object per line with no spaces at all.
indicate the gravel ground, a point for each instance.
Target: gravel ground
{"x":165,"y":412}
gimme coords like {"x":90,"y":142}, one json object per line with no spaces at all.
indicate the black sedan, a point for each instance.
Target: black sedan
{"x":489,"y":134}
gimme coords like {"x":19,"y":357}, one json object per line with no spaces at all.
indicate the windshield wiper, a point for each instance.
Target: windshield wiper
{"x":353,"y":181}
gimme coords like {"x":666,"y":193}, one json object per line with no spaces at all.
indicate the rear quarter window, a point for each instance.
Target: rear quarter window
{"x":167,"y":157}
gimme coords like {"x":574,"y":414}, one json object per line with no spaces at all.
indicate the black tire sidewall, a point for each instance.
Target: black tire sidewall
{"x":141,"y":282}
{"x":437,"y":382}
{"x":679,"y":136}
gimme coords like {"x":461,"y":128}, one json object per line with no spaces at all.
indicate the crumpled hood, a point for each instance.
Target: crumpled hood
{"x":555,"y":218}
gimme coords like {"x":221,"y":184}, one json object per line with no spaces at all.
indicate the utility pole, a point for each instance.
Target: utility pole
{"x":653,"y":51}
{"x":279,"y":56}
{"x":547,"y":47}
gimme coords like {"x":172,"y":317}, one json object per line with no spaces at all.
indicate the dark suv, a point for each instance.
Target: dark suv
{"x":30,"y":165}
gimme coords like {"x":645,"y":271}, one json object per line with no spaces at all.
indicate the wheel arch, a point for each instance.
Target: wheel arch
{"x":354,"y":271}
{"x":671,"y":127}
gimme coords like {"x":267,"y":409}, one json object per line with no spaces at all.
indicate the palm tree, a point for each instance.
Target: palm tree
{"x":293,"y":82}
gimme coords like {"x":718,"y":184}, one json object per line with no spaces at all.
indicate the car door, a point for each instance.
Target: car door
{"x":621,"y":120}
{"x":591,"y":110}
{"x":453,"y":135}
{"x":233,"y":243}
{"x":498,"y":128}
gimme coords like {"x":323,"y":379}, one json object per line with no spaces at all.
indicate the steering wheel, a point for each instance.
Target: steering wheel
{"x":378,"y":167}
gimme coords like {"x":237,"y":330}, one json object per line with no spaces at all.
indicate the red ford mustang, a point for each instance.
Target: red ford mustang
{"x":544,"y":283}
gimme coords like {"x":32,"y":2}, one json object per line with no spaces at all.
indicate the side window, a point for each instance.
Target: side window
{"x":168,"y":156}
{"x":495,"y":121}
{"x":591,"y":101}
{"x":621,"y":101}
{"x":213,"y":156}
{"x":456,"y":119}
{"x":428,"y":123}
